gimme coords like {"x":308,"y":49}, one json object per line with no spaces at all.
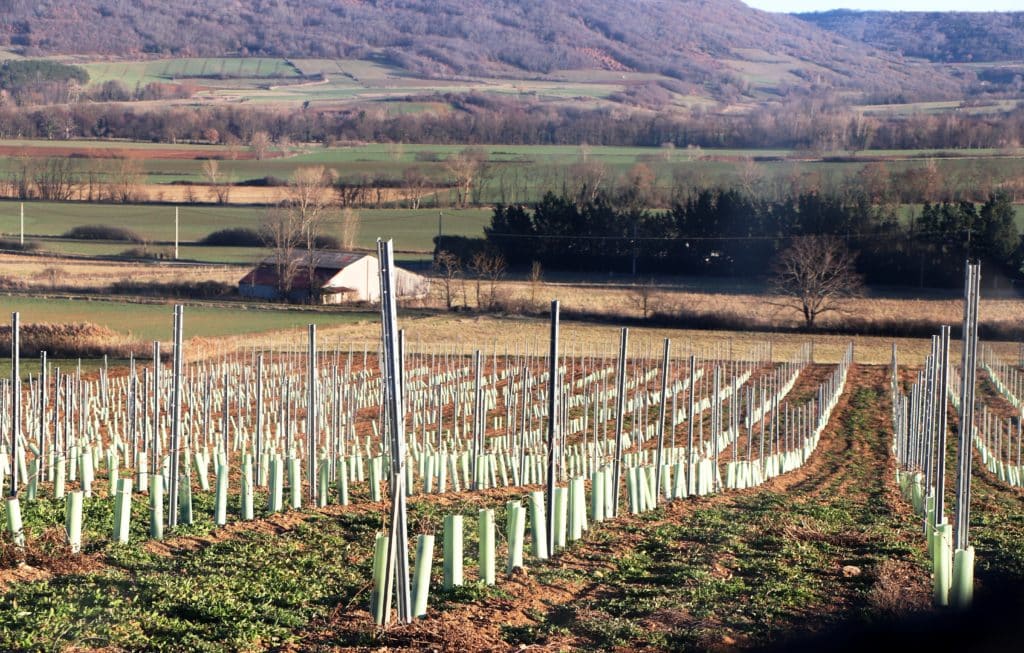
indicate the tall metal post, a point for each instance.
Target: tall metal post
{"x":259,"y":419}
{"x":15,"y":399}
{"x":691,"y":479}
{"x":967,"y":384}
{"x":155,"y":448}
{"x":716,"y":422}
{"x":478,"y":422}
{"x":175,"y":466}
{"x":620,"y":402}
{"x":311,"y":416}
{"x":397,"y":568}
{"x":661,"y":423}
{"x":43,"y":449}
{"x":553,"y":391}
{"x":943,"y":392}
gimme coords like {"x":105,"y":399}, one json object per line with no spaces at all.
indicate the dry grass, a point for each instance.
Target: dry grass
{"x":468,"y":331}
{"x":626,"y":300}
{"x":54,"y":272}
{"x":464,"y":333}
{"x":83,"y":340}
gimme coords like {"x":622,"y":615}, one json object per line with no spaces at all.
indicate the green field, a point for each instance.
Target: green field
{"x":523,"y":173}
{"x":411,"y":230}
{"x":132,"y":73}
{"x":262,"y":80}
{"x":154,"y":321}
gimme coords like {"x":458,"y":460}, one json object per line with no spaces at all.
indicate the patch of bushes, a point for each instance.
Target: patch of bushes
{"x":175,"y":289}
{"x":142,"y":253}
{"x":15,"y":245}
{"x":327,"y":242}
{"x":102,"y":232}
{"x":268,"y":181}
{"x":234,"y":237}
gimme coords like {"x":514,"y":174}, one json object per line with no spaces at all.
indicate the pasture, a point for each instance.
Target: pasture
{"x":150,"y":321}
{"x":412,"y":230}
{"x":132,"y":73}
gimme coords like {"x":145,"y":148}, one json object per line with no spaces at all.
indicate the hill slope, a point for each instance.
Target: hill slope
{"x":937,"y":36}
{"x":718,"y":45}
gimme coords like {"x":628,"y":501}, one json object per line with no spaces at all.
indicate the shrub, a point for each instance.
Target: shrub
{"x":327,"y":242}
{"x":267,"y":181}
{"x":103,"y":232}
{"x":14,"y":245}
{"x":234,"y":237}
{"x":177,"y":289}
{"x":140,"y":253}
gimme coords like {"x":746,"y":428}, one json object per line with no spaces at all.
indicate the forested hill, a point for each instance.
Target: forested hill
{"x":936,"y":36}
{"x":717,"y":45}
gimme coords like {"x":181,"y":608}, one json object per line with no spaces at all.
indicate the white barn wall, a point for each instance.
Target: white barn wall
{"x":360,"y":276}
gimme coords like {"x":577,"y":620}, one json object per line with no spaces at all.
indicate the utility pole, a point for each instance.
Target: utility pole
{"x":175,"y":233}
{"x":22,"y":223}
{"x":636,"y":252}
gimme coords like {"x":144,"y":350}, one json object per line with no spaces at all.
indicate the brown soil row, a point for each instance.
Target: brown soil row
{"x":477,"y":627}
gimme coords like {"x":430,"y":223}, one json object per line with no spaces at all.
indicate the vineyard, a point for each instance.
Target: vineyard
{"x":650,"y":493}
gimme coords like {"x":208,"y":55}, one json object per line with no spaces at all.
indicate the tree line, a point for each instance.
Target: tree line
{"x":802,"y":124}
{"x":725,"y":232}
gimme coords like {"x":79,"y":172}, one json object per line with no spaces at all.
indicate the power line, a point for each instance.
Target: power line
{"x":861,"y":236}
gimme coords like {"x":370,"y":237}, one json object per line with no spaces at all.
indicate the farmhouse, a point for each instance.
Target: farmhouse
{"x":337,"y":277}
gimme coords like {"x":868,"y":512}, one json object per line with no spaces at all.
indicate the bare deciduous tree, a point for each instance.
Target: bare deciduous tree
{"x":282,"y":234}
{"x":349,"y":228}
{"x":587,"y":180}
{"x":750,"y":174}
{"x":53,"y":274}
{"x":259,"y":143}
{"x":309,"y":199}
{"x":643,"y":295}
{"x":415,"y":182}
{"x":124,"y":177}
{"x":814,"y":275}
{"x":56,"y":178}
{"x":449,"y":267}
{"x":465,"y":168}
{"x":220,"y":181}
{"x":491,"y":268}
{"x":536,"y":276}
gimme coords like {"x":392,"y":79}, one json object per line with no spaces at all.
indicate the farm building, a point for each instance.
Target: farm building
{"x":338,"y":277}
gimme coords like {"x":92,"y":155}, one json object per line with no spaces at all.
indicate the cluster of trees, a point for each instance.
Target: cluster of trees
{"x":17,"y":72}
{"x":728,"y":233}
{"x":940,"y":36}
{"x":61,"y":179}
{"x":40,"y":81}
{"x":801,"y":124}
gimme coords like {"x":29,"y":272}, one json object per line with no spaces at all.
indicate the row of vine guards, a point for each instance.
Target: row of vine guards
{"x":920,"y":443}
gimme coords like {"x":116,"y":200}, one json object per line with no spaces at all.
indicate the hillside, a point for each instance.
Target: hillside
{"x":945,"y":37}
{"x":720,"y":48}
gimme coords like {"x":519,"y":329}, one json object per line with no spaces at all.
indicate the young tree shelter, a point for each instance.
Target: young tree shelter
{"x":329,"y":278}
